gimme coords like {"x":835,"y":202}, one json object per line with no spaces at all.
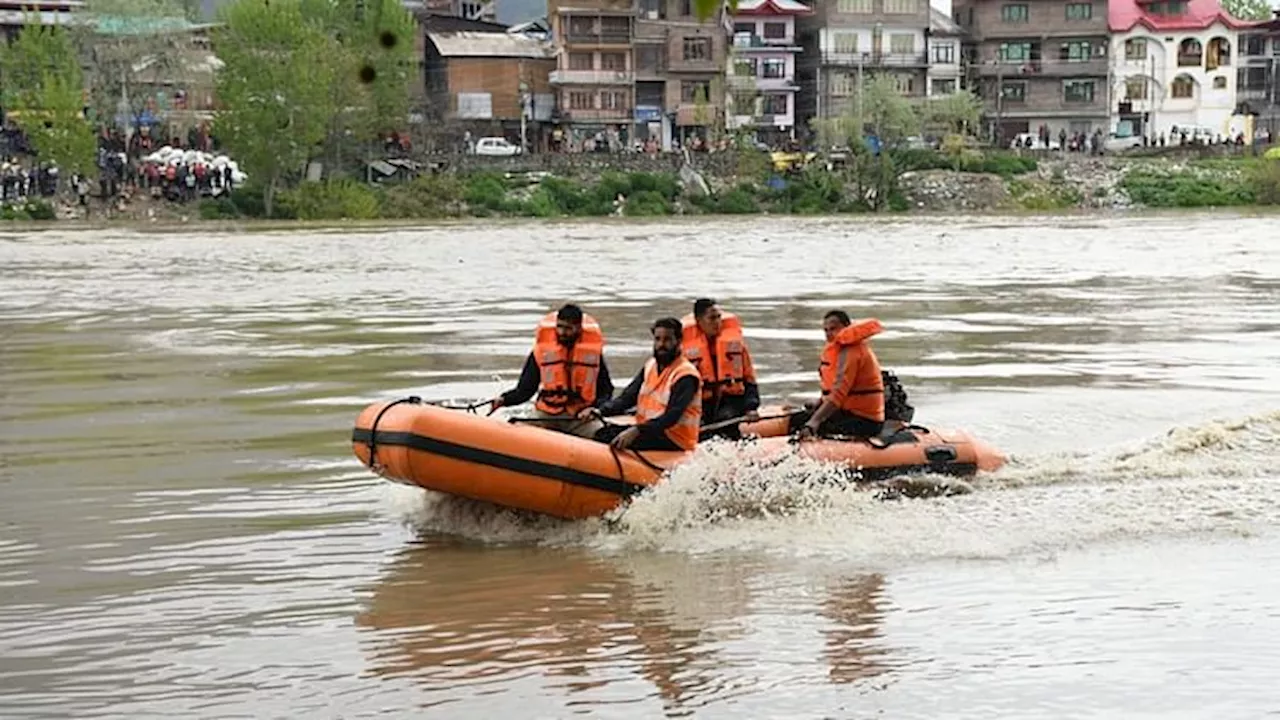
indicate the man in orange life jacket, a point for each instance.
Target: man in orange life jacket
{"x":665,"y":394}
{"x":713,"y":342}
{"x":567,"y":371}
{"x":852,"y":389}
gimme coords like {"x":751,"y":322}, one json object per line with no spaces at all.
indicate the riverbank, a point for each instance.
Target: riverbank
{"x":736,"y":184}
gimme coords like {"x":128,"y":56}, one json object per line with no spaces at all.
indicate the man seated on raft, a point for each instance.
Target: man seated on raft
{"x":852,"y":401}
{"x":665,"y":395}
{"x":713,"y":343}
{"x":567,"y":370}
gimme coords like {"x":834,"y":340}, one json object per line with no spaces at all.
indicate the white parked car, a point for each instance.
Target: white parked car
{"x":1116,"y":143}
{"x":496,"y":146}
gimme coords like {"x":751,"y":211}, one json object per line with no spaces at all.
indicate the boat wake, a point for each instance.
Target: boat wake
{"x":1218,"y":477}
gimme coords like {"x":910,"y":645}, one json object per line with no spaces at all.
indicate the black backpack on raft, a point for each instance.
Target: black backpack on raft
{"x":896,"y":406}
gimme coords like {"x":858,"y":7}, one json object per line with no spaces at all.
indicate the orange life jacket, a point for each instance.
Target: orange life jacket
{"x":848,"y":361}
{"x":568,"y":380}
{"x":655,"y":394}
{"x":732,"y":367}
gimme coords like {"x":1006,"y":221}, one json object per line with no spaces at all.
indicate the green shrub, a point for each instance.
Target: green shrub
{"x":1264,"y":177}
{"x":40,"y":210}
{"x":1172,"y":189}
{"x":333,"y":200}
{"x":431,"y":195}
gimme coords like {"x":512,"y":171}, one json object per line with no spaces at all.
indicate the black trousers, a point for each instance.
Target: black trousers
{"x":841,"y":423}
{"x":644,"y":442}
{"x":719,"y":410}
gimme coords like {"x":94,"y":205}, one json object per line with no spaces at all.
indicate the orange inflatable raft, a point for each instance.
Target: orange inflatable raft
{"x":558,"y":474}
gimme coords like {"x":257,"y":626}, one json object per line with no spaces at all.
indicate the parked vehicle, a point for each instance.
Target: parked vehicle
{"x":497,"y":146}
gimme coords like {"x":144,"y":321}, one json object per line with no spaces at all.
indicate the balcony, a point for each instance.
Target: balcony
{"x":694,"y":114}
{"x":619,"y":115}
{"x":592,"y":77}
{"x":1048,"y":107}
{"x":1260,"y":93}
{"x":754,"y":43}
{"x":604,"y":37}
{"x":1042,"y":68}
{"x":854,"y":59}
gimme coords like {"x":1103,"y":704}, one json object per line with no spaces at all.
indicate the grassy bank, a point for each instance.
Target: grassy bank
{"x":863,"y":184}
{"x":1219,"y":182}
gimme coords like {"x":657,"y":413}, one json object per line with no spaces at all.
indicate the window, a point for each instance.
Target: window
{"x":775,"y":104}
{"x":775,"y":30}
{"x":1077,"y":51}
{"x":1218,"y":55}
{"x":692,"y":91}
{"x":1014,"y":92}
{"x":581,"y":61}
{"x":649,"y":58}
{"x":1135,"y":88}
{"x":1167,"y":8}
{"x":686,"y":8}
{"x":749,"y":28}
{"x":901,"y":7}
{"x":470,"y":10}
{"x":614,"y":28}
{"x":1189,"y":53}
{"x":744,"y":67}
{"x":1077,"y":91}
{"x":944,"y":87}
{"x":902,"y":43}
{"x":697,"y":49}
{"x":744,"y":103}
{"x":581,"y":101}
{"x":1014,"y":52}
{"x":581,"y":26}
{"x":845,"y":42}
{"x":773,"y":68}
{"x":1079,"y":11}
{"x":1253,"y":45}
{"x":856,"y":6}
{"x":906,"y":84}
{"x":613,"y":100}
{"x":842,"y":84}
{"x":1183,"y":87}
{"x":1135,"y":49}
{"x":1015,"y":13}
{"x":653,"y":9}
{"x":944,"y":54}
{"x":615,"y":61}
{"x":1220,"y":82}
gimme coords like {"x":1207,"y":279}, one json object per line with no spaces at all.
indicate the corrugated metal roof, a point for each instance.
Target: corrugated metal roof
{"x":940,"y":23}
{"x":764,"y":7}
{"x":481,"y":44}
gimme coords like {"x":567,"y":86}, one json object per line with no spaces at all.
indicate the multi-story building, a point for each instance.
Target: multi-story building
{"x":1258,"y":77}
{"x":594,"y":77}
{"x":681,"y":62}
{"x":1172,"y":66}
{"x":844,"y":40}
{"x":762,"y":74}
{"x":1039,"y":64}
{"x":945,"y":73}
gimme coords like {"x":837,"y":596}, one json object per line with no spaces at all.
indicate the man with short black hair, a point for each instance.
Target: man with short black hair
{"x":852,"y":401}
{"x":665,"y":396}
{"x":567,"y":371}
{"x":713,"y":342}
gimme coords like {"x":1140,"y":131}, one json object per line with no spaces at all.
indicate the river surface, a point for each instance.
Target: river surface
{"x":187,"y":534}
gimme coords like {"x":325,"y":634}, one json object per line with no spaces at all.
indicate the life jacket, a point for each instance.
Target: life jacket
{"x":568,"y":382}
{"x":655,"y":394}
{"x":731,"y":369}
{"x":839,"y":360}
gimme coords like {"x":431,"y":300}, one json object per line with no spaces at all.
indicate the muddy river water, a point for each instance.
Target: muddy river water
{"x":185,"y":532}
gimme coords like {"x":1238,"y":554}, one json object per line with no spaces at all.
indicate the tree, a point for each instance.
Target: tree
{"x":43,"y":80}
{"x":275,"y":88}
{"x":1248,"y":9}
{"x":128,"y":42}
{"x":956,"y":113}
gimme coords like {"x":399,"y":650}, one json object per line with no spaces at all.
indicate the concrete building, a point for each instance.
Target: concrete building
{"x":762,"y":74}
{"x":1258,"y":74}
{"x":945,"y":74}
{"x":844,"y":40}
{"x":680,"y":65}
{"x":594,"y":77}
{"x":1039,"y":64}
{"x":1173,"y":66}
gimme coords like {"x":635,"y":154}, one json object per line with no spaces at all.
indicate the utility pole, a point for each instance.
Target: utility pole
{"x":998,"y":132}
{"x":524,"y":110}
{"x":1151,"y":95}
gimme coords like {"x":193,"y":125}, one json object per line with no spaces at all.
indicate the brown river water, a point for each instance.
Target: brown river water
{"x":187,"y":534}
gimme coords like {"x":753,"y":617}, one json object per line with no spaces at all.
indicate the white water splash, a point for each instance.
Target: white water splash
{"x":1213,"y":478}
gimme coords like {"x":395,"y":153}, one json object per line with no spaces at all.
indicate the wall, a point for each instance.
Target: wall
{"x":758,"y":21}
{"x":1045,"y":18}
{"x":500,"y":77}
{"x":1210,"y":107}
{"x":827,"y":41}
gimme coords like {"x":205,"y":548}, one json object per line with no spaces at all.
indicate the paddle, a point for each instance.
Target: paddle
{"x":554,"y":419}
{"x":743,"y":418}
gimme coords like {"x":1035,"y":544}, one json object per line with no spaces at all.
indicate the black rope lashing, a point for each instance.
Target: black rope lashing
{"x":373,"y":429}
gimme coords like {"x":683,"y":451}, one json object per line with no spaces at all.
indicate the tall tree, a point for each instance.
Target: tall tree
{"x":275,"y":88}
{"x":43,"y":80}
{"x":956,"y":113}
{"x":1248,"y":9}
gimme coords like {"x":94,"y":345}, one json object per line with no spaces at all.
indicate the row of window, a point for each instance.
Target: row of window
{"x":1021,"y":12}
{"x":1073,"y":91}
{"x":693,"y":49}
{"x":770,"y":31}
{"x":846,"y":83}
{"x":891,"y":7}
{"x":770,"y":69}
{"x":899,"y":43}
{"x":765,"y":104}
{"x":691,"y":91}
{"x":1070,"y":51}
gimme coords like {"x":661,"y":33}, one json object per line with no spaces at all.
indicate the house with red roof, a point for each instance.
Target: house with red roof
{"x":1174,"y":68}
{"x":762,"y":71}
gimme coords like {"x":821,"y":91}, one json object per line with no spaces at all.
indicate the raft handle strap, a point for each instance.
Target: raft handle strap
{"x":373,"y":429}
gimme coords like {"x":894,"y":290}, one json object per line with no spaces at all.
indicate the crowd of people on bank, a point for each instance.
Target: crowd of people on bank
{"x":699,"y":382}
